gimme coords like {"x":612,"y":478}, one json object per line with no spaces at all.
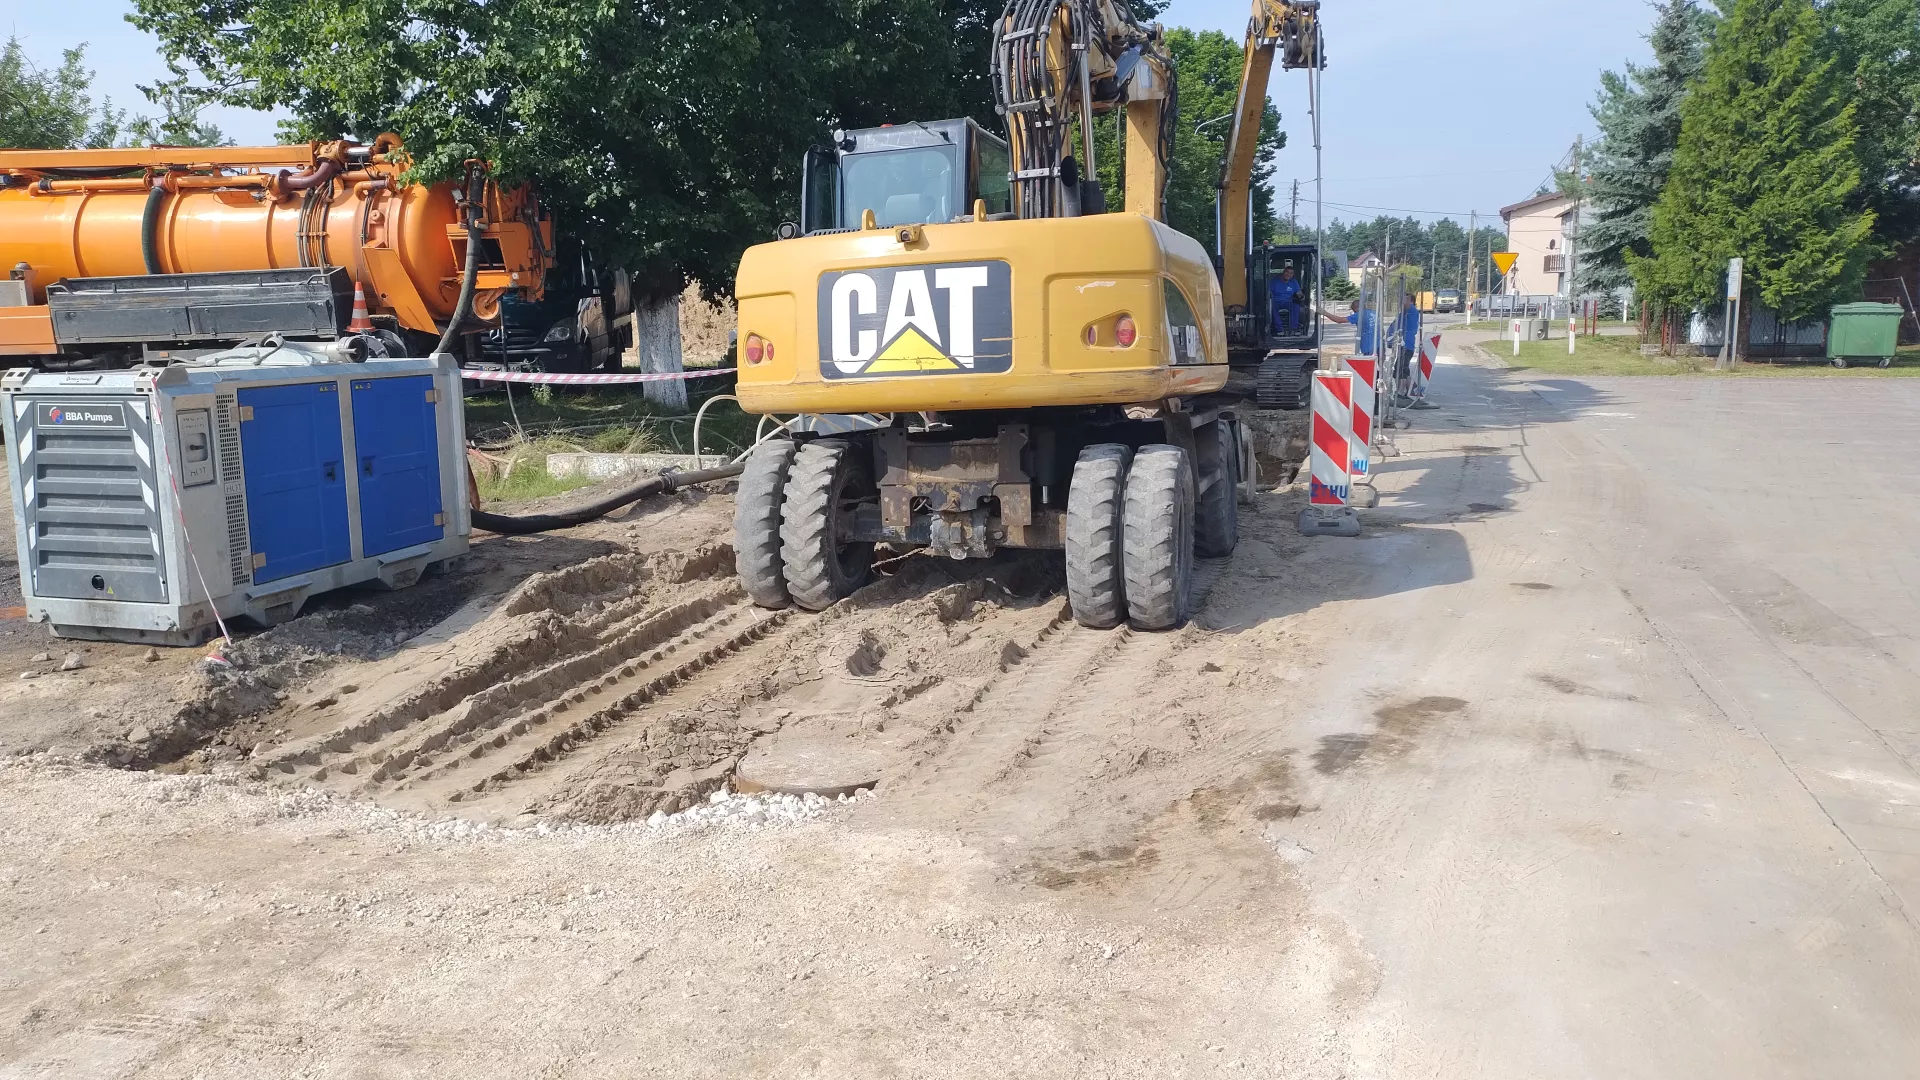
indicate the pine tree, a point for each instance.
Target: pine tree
{"x":1638,"y":114}
{"x":1767,"y":169}
{"x":1876,"y":44}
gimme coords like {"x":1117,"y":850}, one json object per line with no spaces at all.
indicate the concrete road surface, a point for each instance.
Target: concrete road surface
{"x":1674,"y":828}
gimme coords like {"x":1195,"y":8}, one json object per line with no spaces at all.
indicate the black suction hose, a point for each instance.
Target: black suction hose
{"x":150,"y":228}
{"x":665,"y":484}
{"x":462,"y":307}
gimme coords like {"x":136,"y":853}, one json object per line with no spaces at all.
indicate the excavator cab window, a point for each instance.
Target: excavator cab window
{"x":909,"y":186}
{"x":819,"y":190}
{"x":992,"y":173}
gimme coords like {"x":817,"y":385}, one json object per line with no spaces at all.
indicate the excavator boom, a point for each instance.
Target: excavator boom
{"x":1288,"y":30}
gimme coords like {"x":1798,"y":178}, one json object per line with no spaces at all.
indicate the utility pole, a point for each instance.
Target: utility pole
{"x":1473,"y":226}
{"x":1293,"y":215}
{"x":1573,"y":234}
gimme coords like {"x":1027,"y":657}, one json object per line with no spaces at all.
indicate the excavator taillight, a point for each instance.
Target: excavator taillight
{"x":1124,"y":332}
{"x":757,"y":349}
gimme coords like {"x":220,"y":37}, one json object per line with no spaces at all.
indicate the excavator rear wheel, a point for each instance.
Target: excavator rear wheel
{"x":756,"y":523}
{"x":823,"y":565}
{"x":1158,"y":538}
{"x":1096,"y":501}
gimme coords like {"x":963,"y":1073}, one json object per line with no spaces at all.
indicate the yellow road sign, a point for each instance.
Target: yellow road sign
{"x":1503,"y":261}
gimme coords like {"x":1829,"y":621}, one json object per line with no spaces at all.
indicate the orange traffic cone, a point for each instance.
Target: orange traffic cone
{"x":360,"y":323}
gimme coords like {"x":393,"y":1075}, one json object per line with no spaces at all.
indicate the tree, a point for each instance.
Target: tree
{"x":179,"y":123}
{"x":1767,"y":169}
{"x":1876,"y":45}
{"x":1638,"y":114}
{"x":670,"y":135}
{"x":51,"y":110}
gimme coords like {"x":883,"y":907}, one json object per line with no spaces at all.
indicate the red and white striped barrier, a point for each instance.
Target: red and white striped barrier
{"x":1331,"y":479}
{"x":492,"y":375}
{"x":1365,"y":370}
{"x":1423,"y":371}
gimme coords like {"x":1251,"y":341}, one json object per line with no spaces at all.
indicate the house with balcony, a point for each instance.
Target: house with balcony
{"x":1541,"y":230}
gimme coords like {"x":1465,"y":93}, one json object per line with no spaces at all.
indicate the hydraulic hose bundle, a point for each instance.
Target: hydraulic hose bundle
{"x":1053,"y":62}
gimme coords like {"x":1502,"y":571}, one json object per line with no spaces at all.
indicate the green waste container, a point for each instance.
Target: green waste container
{"x":1863,"y":332}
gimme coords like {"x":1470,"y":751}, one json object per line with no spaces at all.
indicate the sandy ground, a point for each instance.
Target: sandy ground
{"x":1577,"y":764}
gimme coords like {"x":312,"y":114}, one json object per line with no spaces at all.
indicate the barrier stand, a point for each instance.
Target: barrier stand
{"x":1363,"y":430}
{"x":1330,"y":458}
{"x":1423,"y":371}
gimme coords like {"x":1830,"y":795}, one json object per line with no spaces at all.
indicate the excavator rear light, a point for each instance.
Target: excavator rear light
{"x":757,"y":350}
{"x":1124,"y":332}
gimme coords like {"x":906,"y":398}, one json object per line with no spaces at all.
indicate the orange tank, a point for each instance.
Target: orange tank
{"x":165,"y":210}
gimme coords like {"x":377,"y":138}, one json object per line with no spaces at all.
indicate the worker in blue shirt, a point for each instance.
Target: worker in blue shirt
{"x":1284,"y":289}
{"x":1406,"y":332}
{"x":1407,"y":327}
{"x":1369,"y":323}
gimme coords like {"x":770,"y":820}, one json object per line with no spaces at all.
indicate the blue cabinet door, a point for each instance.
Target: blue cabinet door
{"x":296,"y":478}
{"x":396,"y":435}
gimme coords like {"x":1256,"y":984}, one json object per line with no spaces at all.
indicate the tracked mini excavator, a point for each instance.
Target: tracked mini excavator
{"x":983,"y":355}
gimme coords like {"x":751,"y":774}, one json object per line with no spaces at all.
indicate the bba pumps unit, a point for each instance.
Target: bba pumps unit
{"x":148,"y":500}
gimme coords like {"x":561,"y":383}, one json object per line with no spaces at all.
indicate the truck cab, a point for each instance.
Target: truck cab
{"x":908,"y":174}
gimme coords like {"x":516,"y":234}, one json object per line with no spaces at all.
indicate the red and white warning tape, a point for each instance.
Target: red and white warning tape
{"x":493,"y":375}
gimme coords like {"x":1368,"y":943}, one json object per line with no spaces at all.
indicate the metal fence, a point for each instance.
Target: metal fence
{"x":1521,"y":306}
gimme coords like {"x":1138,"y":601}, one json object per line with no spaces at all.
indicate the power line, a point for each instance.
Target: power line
{"x":1403,"y":210}
{"x":1427,"y":176}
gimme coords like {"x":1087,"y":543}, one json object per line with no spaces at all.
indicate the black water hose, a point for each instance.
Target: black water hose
{"x":462,"y":307}
{"x":665,"y":484}
{"x":150,"y":228}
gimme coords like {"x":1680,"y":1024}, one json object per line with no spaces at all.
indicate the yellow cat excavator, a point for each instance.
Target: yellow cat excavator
{"x":984,"y":355}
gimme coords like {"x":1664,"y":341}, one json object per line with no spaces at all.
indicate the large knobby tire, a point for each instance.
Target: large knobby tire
{"x":823,"y":566}
{"x":756,"y":523}
{"x":1216,"y":520}
{"x":1096,"y":504}
{"x":1158,"y":543}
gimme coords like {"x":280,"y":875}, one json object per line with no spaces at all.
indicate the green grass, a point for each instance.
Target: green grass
{"x":610,"y":420}
{"x":1621,"y":356}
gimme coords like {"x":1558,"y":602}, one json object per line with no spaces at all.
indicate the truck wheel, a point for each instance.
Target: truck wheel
{"x":822,"y":564}
{"x":1216,"y":528}
{"x":756,"y":523}
{"x":1158,"y":538}
{"x":1096,"y":504}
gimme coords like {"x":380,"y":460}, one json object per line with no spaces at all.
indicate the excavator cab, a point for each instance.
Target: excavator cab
{"x":1290,"y":323}
{"x":908,"y":174}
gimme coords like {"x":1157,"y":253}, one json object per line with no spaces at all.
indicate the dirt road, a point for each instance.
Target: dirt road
{"x":1594,"y":757}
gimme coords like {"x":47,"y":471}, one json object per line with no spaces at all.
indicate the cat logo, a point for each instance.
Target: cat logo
{"x":930,"y":319}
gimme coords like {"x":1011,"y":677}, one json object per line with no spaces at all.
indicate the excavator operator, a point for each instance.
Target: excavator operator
{"x":1284,"y":289}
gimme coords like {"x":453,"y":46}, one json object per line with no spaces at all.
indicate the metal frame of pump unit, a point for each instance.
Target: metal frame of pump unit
{"x":966,"y":485}
{"x":195,"y":521}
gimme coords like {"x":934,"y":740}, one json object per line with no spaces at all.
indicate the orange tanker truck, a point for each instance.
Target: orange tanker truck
{"x":112,"y":257}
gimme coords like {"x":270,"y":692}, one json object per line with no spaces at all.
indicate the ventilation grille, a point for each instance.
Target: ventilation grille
{"x":233,"y":482}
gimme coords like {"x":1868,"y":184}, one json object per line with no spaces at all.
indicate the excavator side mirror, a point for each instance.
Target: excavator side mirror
{"x":787,"y":230}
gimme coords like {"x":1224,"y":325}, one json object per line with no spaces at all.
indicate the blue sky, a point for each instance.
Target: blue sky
{"x":1442,"y":106}
{"x":1429,"y":106}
